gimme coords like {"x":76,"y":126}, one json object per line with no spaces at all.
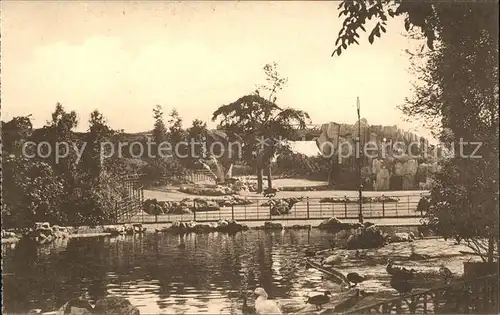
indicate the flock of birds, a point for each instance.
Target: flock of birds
{"x":401,"y":279}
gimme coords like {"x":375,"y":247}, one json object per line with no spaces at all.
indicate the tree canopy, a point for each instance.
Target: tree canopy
{"x":460,"y":91}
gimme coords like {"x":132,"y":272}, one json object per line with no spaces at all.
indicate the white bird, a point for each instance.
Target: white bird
{"x":263,"y":305}
{"x":334,"y":260}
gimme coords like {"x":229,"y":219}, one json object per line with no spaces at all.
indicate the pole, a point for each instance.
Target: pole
{"x":360,"y":179}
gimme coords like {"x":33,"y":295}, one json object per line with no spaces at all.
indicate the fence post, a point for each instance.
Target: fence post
{"x":245,"y":209}
{"x":194,"y":210}
{"x":116,"y":212}
{"x":345,"y":206}
{"x":270,"y":212}
{"x":408,"y":204}
{"x":232,"y":212}
{"x":307,"y":203}
{"x":258,"y":208}
{"x":383,"y":206}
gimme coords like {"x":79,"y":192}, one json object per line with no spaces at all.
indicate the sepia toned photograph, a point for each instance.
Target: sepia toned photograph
{"x":249,"y":157}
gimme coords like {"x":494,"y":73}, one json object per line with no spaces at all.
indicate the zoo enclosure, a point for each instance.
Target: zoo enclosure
{"x":259,"y":209}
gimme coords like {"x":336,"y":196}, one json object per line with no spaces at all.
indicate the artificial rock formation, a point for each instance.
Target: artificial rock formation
{"x":392,"y":166}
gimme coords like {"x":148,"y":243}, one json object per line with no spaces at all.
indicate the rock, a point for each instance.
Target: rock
{"x":42,"y":225}
{"x":382,"y":180}
{"x":366,"y":238}
{"x":273,"y":226}
{"x":401,"y":237}
{"x":76,"y":306}
{"x":115,"y":306}
{"x":6,"y":234}
{"x":231,"y":226}
{"x":114,"y":230}
{"x":334,"y":224}
{"x":203,"y":228}
{"x":138,"y":228}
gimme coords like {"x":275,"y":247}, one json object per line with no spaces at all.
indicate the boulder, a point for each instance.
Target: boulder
{"x":334,"y":224}
{"x":60,"y":231}
{"x":402,"y":237}
{"x":271,"y":226}
{"x":408,"y":182}
{"x":129,"y":229}
{"x":138,"y":228}
{"x":231,"y":226}
{"x":382,"y":180}
{"x":366,"y":238}
{"x":115,"y":306}
{"x":203,"y":228}
{"x":77,"y":306}
{"x":114,"y":230}
{"x":42,"y":225}
{"x":7,"y":234}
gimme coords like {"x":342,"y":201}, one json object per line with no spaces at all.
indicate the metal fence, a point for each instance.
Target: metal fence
{"x":477,"y":296}
{"x":306,"y":209}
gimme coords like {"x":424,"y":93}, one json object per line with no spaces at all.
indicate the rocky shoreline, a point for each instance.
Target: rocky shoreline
{"x":359,"y":236}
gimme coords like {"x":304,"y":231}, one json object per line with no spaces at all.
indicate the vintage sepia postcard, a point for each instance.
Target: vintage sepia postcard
{"x":249,"y":157}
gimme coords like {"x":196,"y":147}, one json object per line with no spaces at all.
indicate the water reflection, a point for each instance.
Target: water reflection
{"x":156,"y":274}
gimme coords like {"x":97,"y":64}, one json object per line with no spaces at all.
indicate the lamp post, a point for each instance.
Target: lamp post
{"x":358,"y":155}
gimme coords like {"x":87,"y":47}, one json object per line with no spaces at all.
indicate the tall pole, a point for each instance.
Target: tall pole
{"x":360,"y":179}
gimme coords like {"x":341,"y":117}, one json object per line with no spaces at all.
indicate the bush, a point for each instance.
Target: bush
{"x":208,"y":191}
{"x":356,"y":200}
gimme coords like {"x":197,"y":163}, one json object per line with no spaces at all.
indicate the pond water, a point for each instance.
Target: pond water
{"x":159,"y":276}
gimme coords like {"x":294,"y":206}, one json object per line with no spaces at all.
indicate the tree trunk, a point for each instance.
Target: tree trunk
{"x":491,"y":249}
{"x":259,"y":179}
{"x":229,"y":172}
{"x":269,"y":178}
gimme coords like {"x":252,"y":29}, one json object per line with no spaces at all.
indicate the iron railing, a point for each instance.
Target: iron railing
{"x":259,"y":209}
{"x":477,"y":296}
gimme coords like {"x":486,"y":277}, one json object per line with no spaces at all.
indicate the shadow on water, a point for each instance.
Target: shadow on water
{"x":156,"y":272}
{"x":164,"y":273}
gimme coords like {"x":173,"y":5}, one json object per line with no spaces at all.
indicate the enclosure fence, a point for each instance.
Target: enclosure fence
{"x":260,"y":209}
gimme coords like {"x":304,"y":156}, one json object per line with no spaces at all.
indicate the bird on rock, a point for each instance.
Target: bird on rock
{"x":310,"y":252}
{"x":264,"y":306}
{"x":320,"y":299}
{"x":334,"y":260}
{"x":355,"y":278}
{"x":445,"y":273}
{"x":401,"y":285}
{"x":399,"y":272}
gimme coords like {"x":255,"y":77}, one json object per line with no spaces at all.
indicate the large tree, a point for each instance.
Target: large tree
{"x":93,"y":162}
{"x":260,"y":125}
{"x":460,"y":92}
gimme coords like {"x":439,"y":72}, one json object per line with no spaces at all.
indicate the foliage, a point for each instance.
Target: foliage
{"x":297,"y":164}
{"x":259,"y":124}
{"x":460,"y":88}
{"x":64,"y":190}
{"x":421,"y":15}
{"x":159,"y":129}
{"x":31,"y":192}
{"x":93,"y":162}
{"x":175,"y":134}
{"x":15,"y":133}
{"x":464,"y":203}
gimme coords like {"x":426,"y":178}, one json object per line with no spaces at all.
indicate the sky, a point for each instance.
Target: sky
{"x":123,"y":58}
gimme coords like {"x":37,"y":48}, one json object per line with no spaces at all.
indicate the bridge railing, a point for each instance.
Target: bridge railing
{"x":476,"y":296}
{"x":212,"y":209}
